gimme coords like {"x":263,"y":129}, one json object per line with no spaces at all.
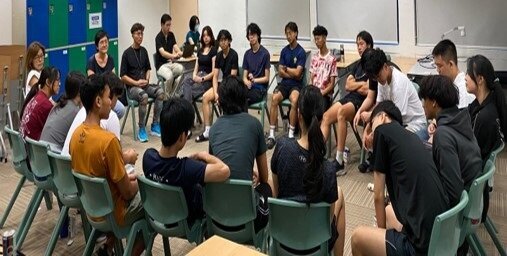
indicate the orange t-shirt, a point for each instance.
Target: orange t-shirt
{"x":97,"y":153}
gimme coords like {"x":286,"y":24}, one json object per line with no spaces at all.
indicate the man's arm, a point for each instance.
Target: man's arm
{"x":367,"y":104}
{"x":379,"y":198}
{"x":262,"y":167}
{"x":448,"y":165}
{"x":330,"y":86}
{"x":264,"y":79}
{"x":352,"y":85}
{"x":216,"y":170}
{"x":128,"y":186}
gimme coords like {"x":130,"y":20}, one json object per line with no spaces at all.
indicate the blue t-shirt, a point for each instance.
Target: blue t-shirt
{"x":194,"y":35}
{"x":292,"y":58}
{"x":256,"y":63}
{"x":181,"y":172}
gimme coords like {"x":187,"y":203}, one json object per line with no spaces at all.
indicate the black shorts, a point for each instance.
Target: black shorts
{"x":286,"y":90}
{"x":255,"y":95}
{"x":397,"y":244}
{"x":355,"y":98}
{"x":328,"y":102}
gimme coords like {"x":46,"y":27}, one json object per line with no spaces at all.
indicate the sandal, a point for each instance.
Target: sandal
{"x":201,"y":138}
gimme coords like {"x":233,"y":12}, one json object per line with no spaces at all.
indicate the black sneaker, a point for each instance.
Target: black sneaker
{"x":270,"y":143}
{"x":201,"y":138}
{"x":339,"y":168}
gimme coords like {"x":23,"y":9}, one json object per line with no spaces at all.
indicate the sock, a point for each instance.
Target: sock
{"x":206,"y":131}
{"x":271,"y":131}
{"x":291,"y":131}
{"x":339,"y":157}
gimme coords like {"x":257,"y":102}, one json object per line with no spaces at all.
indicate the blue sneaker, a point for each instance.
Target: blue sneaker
{"x":155,"y":129}
{"x":142,"y":136}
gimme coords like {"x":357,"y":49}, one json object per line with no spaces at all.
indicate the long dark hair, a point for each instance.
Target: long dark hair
{"x":73,"y":83}
{"x":311,"y":107}
{"x":479,"y":65}
{"x":49,"y":74}
{"x":209,"y":31}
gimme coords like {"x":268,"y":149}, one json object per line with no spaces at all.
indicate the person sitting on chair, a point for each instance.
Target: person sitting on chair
{"x":291,"y":69}
{"x":135,"y":73}
{"x":189,"y":173}
{"x":317,"y":176}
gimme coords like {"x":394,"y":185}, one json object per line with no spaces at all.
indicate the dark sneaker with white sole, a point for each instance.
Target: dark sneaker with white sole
{"x":270,"y":142}
{"x":339,"y":168}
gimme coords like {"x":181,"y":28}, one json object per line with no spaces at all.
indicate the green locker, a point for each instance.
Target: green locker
{"x":113,"y":52}
{"x":94,"y":18}
{"x":77,"y":59}
{"x":58,"y":23}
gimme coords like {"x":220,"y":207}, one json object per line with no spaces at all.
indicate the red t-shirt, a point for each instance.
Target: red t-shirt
{"x":35,"y":115}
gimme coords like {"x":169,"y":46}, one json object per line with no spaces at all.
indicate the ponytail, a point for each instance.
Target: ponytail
{"x":73,"y":83}
{"x":49,"y":74}
{"x":311,"y":108}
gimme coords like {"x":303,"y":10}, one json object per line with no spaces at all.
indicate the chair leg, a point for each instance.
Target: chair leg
{"x":196,"y":110}
{"x":87,"y":228}
{"x":12,"y":201}
{"x":28,"y":211}
{"x":134,"y":124}
{"x":490,"y":227}
{"x":149,"y":245}
{"x":48,"y":198}
{"x":475,"y":245}
{"x":29,"y":219}
{"x":125,"y":119}
{"x":167,"y":246}
{"x":118,"y":247}
{"x":54,"y":237}
{"x":90,"y":243}
{"x":263,"y":110}
{"x":147,"y":114}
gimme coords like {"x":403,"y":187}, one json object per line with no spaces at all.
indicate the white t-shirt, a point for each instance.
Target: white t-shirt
{"x":465,"y":98}
{"x":402,"y":92}
{"x":111,"y":124}
{"x":32,"y":73}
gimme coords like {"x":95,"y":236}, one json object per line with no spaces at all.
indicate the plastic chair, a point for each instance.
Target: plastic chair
{"x":20,"y":164}
{"x":447,"y":228}
{"x":167,"y":212}
{"x":298,"y":229}
{"x":95,"y":196}
{"x":132,"y":104}
{"x":231,"y":210}
{"x":67,"y":194}
{"x":473,"y":212}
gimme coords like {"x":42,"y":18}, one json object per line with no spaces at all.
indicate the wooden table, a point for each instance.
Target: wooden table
{"x":350,"y":58}
{"x":220,"y":246}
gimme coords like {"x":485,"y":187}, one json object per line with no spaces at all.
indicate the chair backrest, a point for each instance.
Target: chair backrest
{"x":163,"y":203}
{"x":95,"y":196}
{"x":19,"y":155}
{"x":39,"y":161}
{"x":230,"y":204}
{"x":62,"y":174}
{"x":416,"y":86}
{"x":298,"y":226}
{"x":473,"y":211}
{"x":447,"y":228}
{"x":495,"y":152}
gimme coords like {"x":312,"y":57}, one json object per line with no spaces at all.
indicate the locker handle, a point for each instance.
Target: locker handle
{"x":51,"y":9}
{"x":71,"y":7}
{"x":30,"y":11}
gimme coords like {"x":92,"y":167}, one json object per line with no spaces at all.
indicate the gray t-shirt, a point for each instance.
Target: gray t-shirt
{"x":58,"y":123}
{"x":237,"y":140}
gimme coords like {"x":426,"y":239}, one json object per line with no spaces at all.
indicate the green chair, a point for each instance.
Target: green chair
{"x":43,"y":179}
{"x":231,"y":209}
{"x":167,"y":212}
{"x":261,"y":106}
{"x":473,"y":212}
{"x":20,"y":164}
{"x":133,"y":104}
{"x":447,"y":228}
{"x":95,"y":196}
{"x":67,"y":194}
{"x":298,"y":229}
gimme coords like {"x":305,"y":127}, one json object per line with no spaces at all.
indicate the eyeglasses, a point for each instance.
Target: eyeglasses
{"x":39,"y":57}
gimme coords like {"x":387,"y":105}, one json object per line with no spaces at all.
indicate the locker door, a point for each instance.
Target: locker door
{"x":77,"y":21}
{"x":60,"y":60}
{"x":110,"y":15}
{"x":113,"y":52}
{"x":77,"y":59}
{"x":94,"y":18}
{"x":58,"y":23}
{"x":91,"y":49}
{"x":37,"y":18}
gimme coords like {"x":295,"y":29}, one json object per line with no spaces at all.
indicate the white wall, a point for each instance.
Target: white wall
{"x":6,"y":21}
{"x":18,"y":22}
{"x":130,"y":12}
{"x":231,"y":14}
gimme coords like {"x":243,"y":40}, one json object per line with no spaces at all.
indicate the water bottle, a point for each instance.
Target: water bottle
{"x":346,"y":154}
{"x":342,"y":53}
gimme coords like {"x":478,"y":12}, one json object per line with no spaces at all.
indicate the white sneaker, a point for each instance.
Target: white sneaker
{"x":370,"y":187}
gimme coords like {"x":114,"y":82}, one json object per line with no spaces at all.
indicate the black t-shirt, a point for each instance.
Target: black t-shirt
{"x":180,"y":172}
{"x":415,"y":189}
{"x":94,"y":66}
{"x":205,"y":60}
{"x":288,"y":163}
{"x":228,"y":63}
{"x":167,"y":43}
{"x":135,"y":63}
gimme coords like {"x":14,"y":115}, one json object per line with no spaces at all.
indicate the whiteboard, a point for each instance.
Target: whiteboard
{"x":273,"y":15}
{"x":344,"y":19}
{"x":485,"y":22}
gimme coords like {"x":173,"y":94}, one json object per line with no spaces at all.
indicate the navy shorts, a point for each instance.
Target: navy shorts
{"x":286,"y":90}
{"x":397,"y":244}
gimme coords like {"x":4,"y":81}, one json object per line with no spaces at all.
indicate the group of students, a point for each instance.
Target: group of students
{"x":469,"y":112}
